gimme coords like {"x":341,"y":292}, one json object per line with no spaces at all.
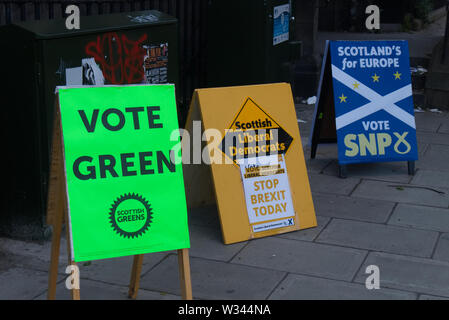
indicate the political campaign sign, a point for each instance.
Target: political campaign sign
{"x":261,"y":187}
{"x":257,"y":144}
{"x":373,"y":101}
{"x":125,"y":191}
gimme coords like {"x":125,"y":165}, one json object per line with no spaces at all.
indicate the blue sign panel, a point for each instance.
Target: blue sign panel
{"x":373,"y":101}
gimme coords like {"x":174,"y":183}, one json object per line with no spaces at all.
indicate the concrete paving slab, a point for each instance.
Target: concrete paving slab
{"x":408,"y":273}
{"x":31,"y":255}
{"x":384,"y":171}
{"x":325,"y":151}
{"x":403,"y":193}
{"x":304,"y":128}
{"x":422,"y":148}
{"x":96,"y":290}
{"x":442,"y":249}
{"x":11,"y":260}
{"x":307,"y":234}
{"x":379,"y":237}
{"x":435,"y":158}
{"x":297,"y":287}
{"x":444,"y":128}
{"x":420,"y":217}
{"x":207,"y":243}
{"x":117,"y":270}
{"x":336,"y":206}
{"x":317,"y":165}
{"x":332,"y":184}
{"x":302,"y":257}
{"x":304,"y":139}
{"x":433,"y":138}
{"x":426,"y":121}
{"x":305,"y":112}
{"x":22,"y":284}
{"x":214,"y":280}
{"x":431,"y":178}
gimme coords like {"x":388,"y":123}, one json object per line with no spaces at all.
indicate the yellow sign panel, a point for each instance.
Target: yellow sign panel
{"x":261,"y":186}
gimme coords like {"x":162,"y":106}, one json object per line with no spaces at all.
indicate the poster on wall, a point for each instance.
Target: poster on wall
{"x":281,"y":22}
{"x":156,"y":64}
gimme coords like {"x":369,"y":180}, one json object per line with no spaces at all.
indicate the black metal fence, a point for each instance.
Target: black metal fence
{"x":191,"y":15}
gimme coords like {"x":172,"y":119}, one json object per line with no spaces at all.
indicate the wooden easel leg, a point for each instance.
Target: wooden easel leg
{"x":54,"y":260}
{"x":57,"y":207}
{"x":75,"y":290}
{"x":411,"y":168}
{"x":184,"y":274}
{"x":55,"y":210}
{"x":135,"y":276}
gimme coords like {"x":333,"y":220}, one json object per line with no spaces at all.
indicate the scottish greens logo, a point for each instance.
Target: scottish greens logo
{"x":130,"y":215}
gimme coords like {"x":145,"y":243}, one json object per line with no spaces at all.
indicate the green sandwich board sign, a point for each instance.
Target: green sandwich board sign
{"x":125,"y":191}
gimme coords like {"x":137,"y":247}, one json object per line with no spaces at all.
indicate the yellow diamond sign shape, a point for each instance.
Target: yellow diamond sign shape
{"x":254,"y":133}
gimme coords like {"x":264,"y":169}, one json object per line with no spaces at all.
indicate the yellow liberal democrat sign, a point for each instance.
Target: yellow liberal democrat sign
{"x":263,"y":188}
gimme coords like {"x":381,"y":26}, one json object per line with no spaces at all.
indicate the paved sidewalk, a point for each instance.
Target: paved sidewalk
{"x":378,"y":215}
{"x":421,"y":43}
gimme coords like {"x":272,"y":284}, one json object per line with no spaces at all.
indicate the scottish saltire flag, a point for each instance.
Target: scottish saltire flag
{"x":373,"y":101}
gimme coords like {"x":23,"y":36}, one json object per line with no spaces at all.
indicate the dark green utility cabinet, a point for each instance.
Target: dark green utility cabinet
{"x":37,"y":56}
{"x":250,"y":42}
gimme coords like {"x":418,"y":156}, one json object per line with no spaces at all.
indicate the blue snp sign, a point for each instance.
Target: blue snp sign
{"x":373,"y":101}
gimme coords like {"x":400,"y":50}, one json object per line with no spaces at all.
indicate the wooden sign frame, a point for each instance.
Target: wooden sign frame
{"x":57,"y":214}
